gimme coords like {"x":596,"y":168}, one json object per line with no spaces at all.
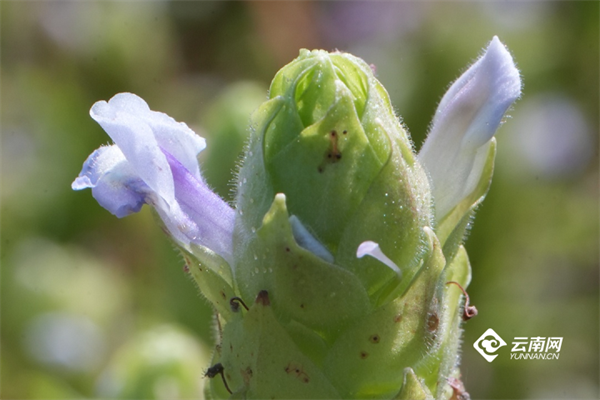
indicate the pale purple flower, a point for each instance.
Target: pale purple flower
{"x":466,"y":119}
{"x":456,"y":149}
{"x":153,"y":161}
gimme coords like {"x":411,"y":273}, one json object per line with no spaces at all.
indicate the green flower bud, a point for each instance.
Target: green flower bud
{"x":329,"y":141}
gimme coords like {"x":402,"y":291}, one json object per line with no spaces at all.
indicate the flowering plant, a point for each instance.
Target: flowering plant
{"x":329,"y":177}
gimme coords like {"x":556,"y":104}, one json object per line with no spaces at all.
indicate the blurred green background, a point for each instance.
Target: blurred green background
{"x":93,"y":306}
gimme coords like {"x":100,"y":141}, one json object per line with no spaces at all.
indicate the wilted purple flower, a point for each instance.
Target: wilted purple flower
{"x":153,"y":161}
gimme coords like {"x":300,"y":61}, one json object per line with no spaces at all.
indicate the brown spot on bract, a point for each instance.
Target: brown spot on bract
{"x":333,"y":154}
{"x":398,"y":318}
{"x":364,"y":354}
{"x":223,"y":295}
{"x":375,"y":338}
{"x":302,"y":306}
{"x":186,"y":268}
{"x":432,"y":322}
{"x":345,"y":131}
{"x":246,"y":375}
{"x":263,"y":298}
{"x":287,"y":249}
{"x":297,"y":371}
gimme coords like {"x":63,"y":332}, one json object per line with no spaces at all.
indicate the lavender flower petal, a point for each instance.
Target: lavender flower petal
{"x":114,"y":184}
{"x":136,"y":140}
{"x":466,"y":119}
{"x":187,"y":146}
{"x":154,"y":162}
